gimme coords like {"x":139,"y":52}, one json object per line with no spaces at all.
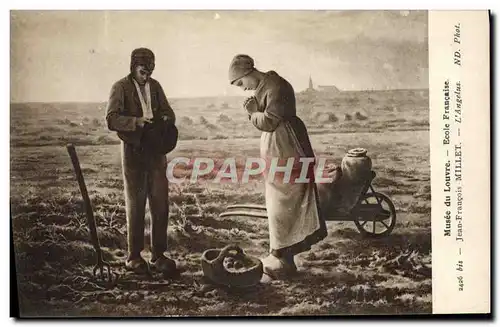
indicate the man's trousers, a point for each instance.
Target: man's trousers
{"x":144,"y":178}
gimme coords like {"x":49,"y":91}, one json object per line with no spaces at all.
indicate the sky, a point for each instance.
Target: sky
{"x":78,"y":55}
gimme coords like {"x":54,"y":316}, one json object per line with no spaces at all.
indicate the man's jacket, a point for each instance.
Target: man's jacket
{"x":124,"y":107}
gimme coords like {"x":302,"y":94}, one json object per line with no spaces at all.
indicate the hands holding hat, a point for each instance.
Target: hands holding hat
{"x":141,"y":121}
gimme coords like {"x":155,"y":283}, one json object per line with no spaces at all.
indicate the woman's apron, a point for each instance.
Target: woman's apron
{"x":292,"y":208}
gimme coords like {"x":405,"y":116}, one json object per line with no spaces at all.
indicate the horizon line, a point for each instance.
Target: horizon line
{"x":218,"y":96}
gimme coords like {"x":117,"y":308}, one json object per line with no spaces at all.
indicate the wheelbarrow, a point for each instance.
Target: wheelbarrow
{"x":373,"y":212}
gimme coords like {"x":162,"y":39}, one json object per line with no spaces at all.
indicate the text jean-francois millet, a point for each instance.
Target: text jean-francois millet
{"x":452,"y":147}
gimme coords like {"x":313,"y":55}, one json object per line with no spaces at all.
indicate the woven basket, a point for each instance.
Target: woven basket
{"x":212,"y":263}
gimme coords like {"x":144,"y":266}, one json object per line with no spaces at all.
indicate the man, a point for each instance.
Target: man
{"x":134,"y":101}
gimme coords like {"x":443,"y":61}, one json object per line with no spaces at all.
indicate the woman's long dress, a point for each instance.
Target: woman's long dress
{"x":295,"y":222}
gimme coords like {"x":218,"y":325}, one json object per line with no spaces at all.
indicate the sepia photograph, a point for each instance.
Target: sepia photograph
{"x":171,"y":163}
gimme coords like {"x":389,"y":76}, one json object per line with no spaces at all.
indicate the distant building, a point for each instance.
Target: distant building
{"x":328,"y":88}
{"x":311,"y":87}
{"x":321,"y":88}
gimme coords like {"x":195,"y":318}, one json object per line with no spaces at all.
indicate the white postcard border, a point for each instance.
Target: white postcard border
{"x":460,"y":160}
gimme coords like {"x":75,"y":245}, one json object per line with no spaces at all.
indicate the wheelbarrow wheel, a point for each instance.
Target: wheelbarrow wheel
{"x":381,"y":220}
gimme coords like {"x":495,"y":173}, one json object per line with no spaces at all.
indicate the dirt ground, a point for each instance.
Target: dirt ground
{"x":343,"y":274}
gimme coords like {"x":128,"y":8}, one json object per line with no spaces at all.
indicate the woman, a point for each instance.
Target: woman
{"x":292,"y":208}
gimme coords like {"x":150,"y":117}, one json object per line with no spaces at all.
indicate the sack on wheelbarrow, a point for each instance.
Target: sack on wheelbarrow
{"x":356,"y":165}
{"x":356,"y":170}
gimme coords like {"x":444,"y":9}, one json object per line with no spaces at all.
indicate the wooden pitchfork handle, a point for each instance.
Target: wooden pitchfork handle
{"x":101,"y":264}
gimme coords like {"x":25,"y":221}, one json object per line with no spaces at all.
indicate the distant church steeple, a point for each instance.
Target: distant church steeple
{"x":310,"y":83}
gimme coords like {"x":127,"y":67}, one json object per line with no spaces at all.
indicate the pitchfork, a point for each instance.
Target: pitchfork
{"x":101,"y":265}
